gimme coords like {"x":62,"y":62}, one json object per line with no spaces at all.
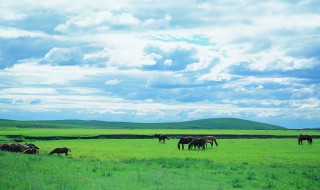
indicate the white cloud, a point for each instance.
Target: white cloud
{"x":113,"y":82}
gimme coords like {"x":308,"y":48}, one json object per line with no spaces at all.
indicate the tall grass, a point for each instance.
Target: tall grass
{"x":20,"y":171}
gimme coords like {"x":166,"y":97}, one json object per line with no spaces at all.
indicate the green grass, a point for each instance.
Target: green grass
{"x":147,"y":164}
{"x":254,"y":151}
{"x":95,"y":132}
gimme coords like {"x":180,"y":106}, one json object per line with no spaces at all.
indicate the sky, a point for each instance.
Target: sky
{"x":161,"y":61}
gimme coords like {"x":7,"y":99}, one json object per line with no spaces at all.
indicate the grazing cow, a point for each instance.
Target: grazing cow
{"x":59,"y":151}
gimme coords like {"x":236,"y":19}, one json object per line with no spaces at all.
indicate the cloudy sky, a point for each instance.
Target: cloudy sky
{"x":155,"y":61}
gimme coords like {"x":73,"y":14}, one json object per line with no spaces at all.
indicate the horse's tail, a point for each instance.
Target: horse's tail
{"x":215,"y":141}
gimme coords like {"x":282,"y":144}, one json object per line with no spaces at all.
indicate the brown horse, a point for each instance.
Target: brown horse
{"x":60,"y":151}
{"x":302,"y":137}
{"x":198,"y":142}
{"x":161,"y":137}
{"x":210,"y":140}
{"x":184,"y":140}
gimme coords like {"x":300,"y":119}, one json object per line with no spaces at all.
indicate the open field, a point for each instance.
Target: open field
{"x":94,"y":132}
{"x":147,"y":164}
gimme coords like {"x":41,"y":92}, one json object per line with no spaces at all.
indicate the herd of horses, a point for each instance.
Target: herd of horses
{"x":192,"y":142}
{"x":29,"y":148}
{"x":203,"y":141}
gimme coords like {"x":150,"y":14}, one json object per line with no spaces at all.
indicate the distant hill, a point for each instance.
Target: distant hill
{"x":214,"y":123}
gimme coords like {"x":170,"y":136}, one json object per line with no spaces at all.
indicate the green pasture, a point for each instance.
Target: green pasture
{"x":94,"y":132}
{"x":147,"y":164}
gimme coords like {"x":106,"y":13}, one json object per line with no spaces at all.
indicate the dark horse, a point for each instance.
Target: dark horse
{"x":184,"y":140}
{"x":60,"y":151}
{"x":210,"y":140}
{"x":198,"y":142}
{"x":304,"y":137}
{"x":161,"y":137}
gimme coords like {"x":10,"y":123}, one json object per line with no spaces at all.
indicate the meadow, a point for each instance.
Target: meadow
{"x":147,"y":164}
{"x":94,"y":132}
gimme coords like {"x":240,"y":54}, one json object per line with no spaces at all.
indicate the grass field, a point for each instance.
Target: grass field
{"x":95,"y":132}
{"x":147,"y":164}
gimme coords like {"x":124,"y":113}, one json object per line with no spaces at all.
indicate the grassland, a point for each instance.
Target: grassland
{"x":95,"y":132}
{"x":147,"y":164}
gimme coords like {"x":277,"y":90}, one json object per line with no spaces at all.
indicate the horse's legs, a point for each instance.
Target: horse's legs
{"x":66,"y":153}
{"x":211,"y":144}
{"x":182,"y":146}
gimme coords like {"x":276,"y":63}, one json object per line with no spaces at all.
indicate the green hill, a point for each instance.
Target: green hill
{"x":214,"y":123}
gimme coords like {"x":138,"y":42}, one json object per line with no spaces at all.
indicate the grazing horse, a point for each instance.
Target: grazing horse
{"x":31,"y":151}
{"x":184,"y":140}
{"x":4,"y":147}
{"x":161,"y":137}
{"x":302,"y":137}
{"x":31,"y":145}
{"x":198,"y":142}
{"x":210,"y":140}
{"x":15,"y":147}
{"x":60,"y":151}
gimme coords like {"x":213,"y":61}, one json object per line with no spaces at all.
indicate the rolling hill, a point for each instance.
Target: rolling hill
{"x":213,"y":123}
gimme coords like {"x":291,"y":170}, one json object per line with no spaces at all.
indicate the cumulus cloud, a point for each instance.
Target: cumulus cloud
{"x":113,"y":82}
{"x":133,"y":60}
{"x":100,"y":19}
{"x":64,"y":56}
{"x":175,"y":58}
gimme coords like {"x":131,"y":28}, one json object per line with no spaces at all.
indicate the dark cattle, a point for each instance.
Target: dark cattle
{"x":31,"y":145}
{"x":24,"y":147}
{"x":183,"y":141}
{"x":31,"y":151}
{"x":5,"y":147}
{"x":198,"y":142}
{"x":304,"y":137}
{"x":161,"y":137}
{"x":59,"y":151}
{"x":15,"y":147}
{"x":211,"y":139}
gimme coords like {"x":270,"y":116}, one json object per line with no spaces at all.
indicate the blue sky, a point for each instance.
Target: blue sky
{"x":155,"y":61}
